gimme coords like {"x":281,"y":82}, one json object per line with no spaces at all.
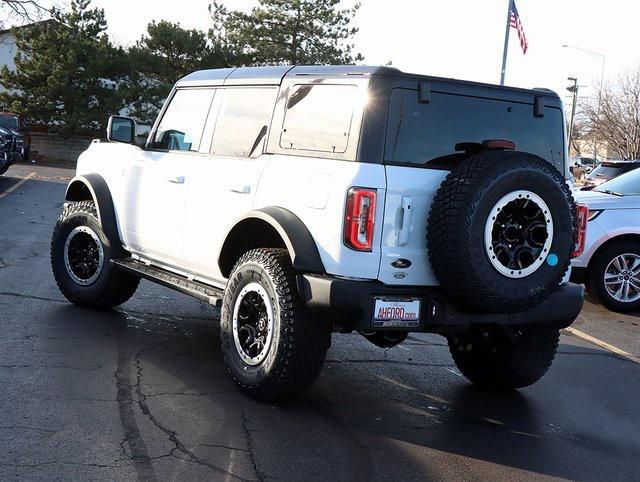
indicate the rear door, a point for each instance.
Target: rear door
{"x":419,"y":139}
{"x":223,"y":181}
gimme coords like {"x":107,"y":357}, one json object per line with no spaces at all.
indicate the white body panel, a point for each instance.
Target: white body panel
{"x":315,"y":190}
{"x":184,"y":225}
{"x":219,"y":191}
{"x":619,"y":216}
{"x":410,"y":192}
{"x":153,"y":205}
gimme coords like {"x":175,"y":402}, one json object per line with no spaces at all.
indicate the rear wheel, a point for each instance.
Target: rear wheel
{"x":80,"y":260}
{"x":3,"y":170}
{"x":273,"y":347}
{"x":489,"y":358}
{"x":614,"y":276}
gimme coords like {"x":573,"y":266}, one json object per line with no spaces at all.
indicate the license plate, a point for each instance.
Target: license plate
{"x":396,"y":312}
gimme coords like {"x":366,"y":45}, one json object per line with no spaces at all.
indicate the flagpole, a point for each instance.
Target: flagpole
{"x":506,"y":44}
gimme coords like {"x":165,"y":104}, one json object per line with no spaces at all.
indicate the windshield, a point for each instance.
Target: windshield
{"x":9,"y":121}
{"x":627,"y":184}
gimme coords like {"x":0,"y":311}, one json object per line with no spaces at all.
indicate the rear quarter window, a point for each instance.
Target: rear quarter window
{"x":419,"y":133}
{"x":318,"y":118}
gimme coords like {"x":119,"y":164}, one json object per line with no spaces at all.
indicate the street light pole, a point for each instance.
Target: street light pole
{"x":603,"y":60}
{"x":574,"y":90}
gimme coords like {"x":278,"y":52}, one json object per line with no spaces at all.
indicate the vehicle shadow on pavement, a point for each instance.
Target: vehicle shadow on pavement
{"x":372,"y":414}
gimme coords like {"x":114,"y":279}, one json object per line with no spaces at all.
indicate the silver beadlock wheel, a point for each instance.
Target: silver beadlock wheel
{"x":622,"y":278}
{"x":518,"y":234}
{"x":83,"y":255}
{"x":253,"y":324}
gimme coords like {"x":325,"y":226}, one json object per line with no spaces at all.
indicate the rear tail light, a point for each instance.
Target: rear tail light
{"x":360,"y":218}
{"x":582,"y":216}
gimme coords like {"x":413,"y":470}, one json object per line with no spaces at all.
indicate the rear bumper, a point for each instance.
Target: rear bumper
{"x":350,"y":304}
{"x":578,"y":275}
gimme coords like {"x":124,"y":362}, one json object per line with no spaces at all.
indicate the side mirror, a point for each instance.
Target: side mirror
{"x":121,"y":129}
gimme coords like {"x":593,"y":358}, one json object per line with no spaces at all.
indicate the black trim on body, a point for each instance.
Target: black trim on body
{"x":350,"y":303}
{"x":93,"y":187}
{"x":292,"y":231}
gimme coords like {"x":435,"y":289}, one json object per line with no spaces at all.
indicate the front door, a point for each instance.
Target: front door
{"x":159,"y":179}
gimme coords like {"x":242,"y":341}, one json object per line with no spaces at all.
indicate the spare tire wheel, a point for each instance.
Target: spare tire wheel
{"x":501,"y":231}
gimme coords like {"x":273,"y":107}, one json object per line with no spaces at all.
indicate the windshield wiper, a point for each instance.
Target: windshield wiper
{"x":606,"y":191}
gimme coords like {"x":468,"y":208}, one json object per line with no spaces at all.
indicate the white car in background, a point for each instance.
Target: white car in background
{"x":610,"y":263}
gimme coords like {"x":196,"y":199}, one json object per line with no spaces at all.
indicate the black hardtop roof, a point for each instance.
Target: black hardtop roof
{"x":273,"y":75}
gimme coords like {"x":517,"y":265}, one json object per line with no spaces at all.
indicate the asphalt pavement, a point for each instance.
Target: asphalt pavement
{"x":141,"y":392}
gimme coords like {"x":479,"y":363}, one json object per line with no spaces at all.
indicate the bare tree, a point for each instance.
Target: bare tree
{"x":23,"y":11}
{"x":614,"y":114}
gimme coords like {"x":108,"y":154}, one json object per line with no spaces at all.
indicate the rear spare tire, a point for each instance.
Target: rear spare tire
{"x":501,"y":231}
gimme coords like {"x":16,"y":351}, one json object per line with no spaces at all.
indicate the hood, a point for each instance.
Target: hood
{"x":601,"y":200}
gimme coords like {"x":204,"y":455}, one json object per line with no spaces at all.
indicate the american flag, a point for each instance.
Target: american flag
{"x":517,"y":24}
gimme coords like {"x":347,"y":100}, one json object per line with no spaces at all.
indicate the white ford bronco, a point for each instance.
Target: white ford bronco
{"x":310,"y":200}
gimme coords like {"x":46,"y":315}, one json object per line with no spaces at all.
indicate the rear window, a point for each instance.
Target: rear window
{"x":9,"y":121}
{"x":419,"y":133}
{"x":318,"y":118}
{"x":606,"y":171}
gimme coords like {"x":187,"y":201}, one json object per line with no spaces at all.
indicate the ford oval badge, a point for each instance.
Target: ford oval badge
{"x":401,"y":263}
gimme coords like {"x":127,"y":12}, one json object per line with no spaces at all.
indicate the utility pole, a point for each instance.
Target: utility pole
{"x":506,"y":44}
{"x":574,"y":90}
{"x":603,"y":60}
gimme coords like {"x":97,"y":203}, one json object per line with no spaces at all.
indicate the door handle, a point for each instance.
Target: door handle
{"x":241,"y":189}
{"x":176,"y":180}
{"x":407,"y":215}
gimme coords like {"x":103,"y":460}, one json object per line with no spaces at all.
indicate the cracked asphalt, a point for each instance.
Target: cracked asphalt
{"x":141,"y":392}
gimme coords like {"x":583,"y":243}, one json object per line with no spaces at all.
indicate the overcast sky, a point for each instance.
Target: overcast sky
{"x":453,"y":38}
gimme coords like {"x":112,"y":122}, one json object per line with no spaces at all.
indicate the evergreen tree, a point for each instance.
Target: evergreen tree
{"x":68,"y":74}
{"x":289,"y":32}
{"x":165,"y":54}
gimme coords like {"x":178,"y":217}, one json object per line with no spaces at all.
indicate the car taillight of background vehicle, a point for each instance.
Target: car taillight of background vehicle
{"x":582,"y":215}
{"x":360,"y":218}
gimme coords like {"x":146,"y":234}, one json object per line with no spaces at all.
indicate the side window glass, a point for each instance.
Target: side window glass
{"x":243,"y":120}
{"x":318,"y":118}
{"x":183,"y":122}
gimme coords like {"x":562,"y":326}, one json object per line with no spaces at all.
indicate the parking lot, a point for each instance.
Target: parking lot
{"x":142,"y":391}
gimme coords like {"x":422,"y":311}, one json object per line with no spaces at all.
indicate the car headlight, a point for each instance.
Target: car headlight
{"x":594,"y":213}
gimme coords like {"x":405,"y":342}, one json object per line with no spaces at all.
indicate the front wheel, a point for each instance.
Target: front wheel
{"x":489,"y":358}
{"x":80,"y":260}
{"x":614,"y":276}
{"x":273,"y":347}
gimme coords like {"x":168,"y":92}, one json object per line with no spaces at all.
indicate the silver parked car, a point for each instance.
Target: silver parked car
{"x":610,"y":263}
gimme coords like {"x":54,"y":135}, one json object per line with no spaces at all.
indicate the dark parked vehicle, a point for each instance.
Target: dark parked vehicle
{"x":15,"y":122}
{"x":607,"y":170}
{"x":11,"y":148}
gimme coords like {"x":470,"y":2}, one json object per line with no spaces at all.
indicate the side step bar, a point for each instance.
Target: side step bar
{"x":171,"y":280}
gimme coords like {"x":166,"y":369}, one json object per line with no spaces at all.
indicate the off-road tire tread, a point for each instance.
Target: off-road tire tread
{"x":516,"y":365}
{"x":447,"y":248}
{"x":120,"y":287}
{"x":303,"y":338}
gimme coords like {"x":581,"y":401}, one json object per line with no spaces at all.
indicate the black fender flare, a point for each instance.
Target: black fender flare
{"x":294,"y":233}
{"x":94,"y":185}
